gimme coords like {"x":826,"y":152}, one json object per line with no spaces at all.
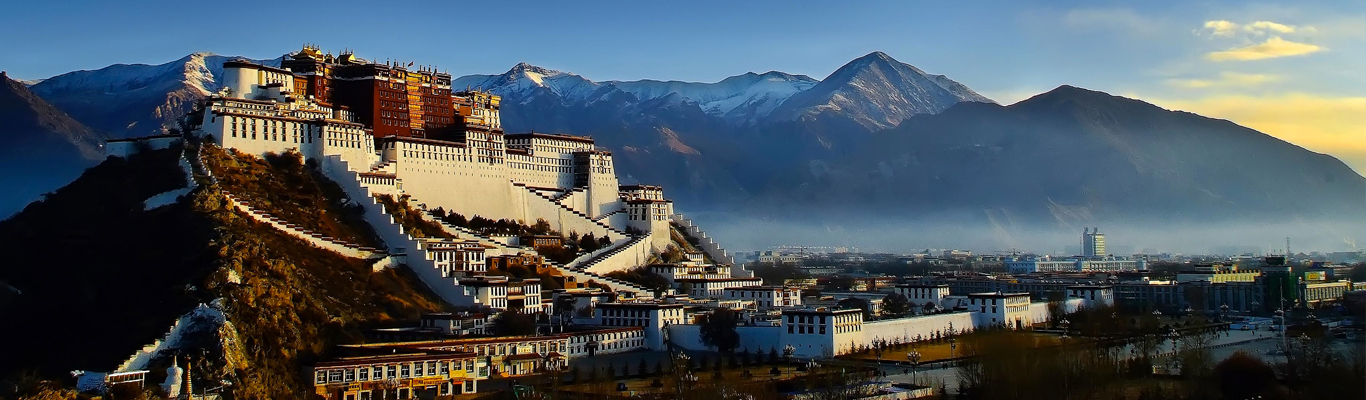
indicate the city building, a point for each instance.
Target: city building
{"x":1092,"y":243}
{"x":409,"y":374}
{"x":766,"y":297}
{"x":654,"y":317}
{"x":921,"y":294}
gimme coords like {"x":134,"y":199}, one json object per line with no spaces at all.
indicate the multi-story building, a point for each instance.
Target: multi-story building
{"x":921,"y":294}
{"x":821,"y":332}
{"x":1028,"y":265}
{"x":1216,"y":273}
{"x":501,"y":293}
{"x":654,"y":317}
{"x":700,"y":288}
{"x":1007,"y":309}
{"x":458,"y":257}
{"x":405,"y":375}
{"x":1092,"y":243}
{"x":766,"y":297}
{"x":691,"y":270}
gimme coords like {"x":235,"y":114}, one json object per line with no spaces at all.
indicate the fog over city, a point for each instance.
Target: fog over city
{"x":874,"y":234}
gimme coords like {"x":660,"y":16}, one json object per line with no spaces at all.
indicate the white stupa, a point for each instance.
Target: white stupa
{"x":173,"y":383}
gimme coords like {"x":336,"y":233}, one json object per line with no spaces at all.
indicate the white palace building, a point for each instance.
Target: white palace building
{"x":381,"y":128}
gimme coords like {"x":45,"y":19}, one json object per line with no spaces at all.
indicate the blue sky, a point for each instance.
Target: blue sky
{"x":1292,"y":69}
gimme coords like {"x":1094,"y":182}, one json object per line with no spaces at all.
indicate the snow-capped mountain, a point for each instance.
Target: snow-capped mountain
{"x":740,"y":98}
{"x":524,"y":81}
{"x":128,"y":100}
{"x":876,"y":92}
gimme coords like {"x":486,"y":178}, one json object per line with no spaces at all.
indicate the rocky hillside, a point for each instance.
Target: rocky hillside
{"x":100,"y":275}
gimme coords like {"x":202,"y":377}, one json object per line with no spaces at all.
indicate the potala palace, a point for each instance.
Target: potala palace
{"x":392,"y":129}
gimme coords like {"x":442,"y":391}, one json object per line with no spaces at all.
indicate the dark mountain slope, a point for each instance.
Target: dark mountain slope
{"x":101,"y":277}
{"x":1073,"y":156}
{"x":41,"y":148}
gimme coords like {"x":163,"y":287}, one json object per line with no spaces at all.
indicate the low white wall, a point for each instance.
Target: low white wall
{"x":620,"y":257}
{"x":906,"y":329}
{"x":317,"y":240}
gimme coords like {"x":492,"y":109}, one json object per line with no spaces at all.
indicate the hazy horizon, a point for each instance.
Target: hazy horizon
{"x":909,"y":235}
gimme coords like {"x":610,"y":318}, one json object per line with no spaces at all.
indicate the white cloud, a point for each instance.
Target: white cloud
{"x":1262,"y":27}
{"x":1274,"y":47}
{"x":1221,"y":27}
{"x":1226,"y":79}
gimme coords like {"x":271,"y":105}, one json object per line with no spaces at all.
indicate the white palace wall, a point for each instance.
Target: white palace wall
{"x":907,"y":328}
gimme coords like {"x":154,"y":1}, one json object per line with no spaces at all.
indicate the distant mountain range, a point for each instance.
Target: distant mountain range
{"x":41,"y":147}
{"x":130,"y":100}
{"x":877,"y":134}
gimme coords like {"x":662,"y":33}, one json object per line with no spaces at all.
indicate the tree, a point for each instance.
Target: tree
{"x":1243,"y":376}
{"x":564,"y":305}
{"x":896,"y":304}
{"x":779,"y":273}
{"x":719,"y":330}
{"x":588,"y":243}
{"x":856,"y":303}
{"x":512,"y":323}
{"x":929,"y":307}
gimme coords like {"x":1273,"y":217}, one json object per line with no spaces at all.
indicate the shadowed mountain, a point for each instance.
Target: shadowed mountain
{"x":41,"y":148}
{"x":1072,"y":157}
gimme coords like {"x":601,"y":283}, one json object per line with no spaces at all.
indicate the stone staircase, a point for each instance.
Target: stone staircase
{"x":386,"y":167}
{"x":315,"y":239}
{"x":600,"y":218}
{"x":566,"y":194}
{"x":616,"y":285}
{"x":395,"y":237}
{"x":709,"y":246}
{"x":619,"y":257}
{"x":572,"y":211}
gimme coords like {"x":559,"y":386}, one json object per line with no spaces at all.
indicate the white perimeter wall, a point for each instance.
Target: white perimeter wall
{"x":907,"y":328}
